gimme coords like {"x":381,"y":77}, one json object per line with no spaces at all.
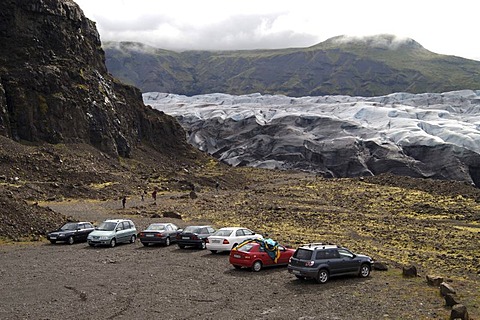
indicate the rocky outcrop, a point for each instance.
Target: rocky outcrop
{"x":54,"y":86}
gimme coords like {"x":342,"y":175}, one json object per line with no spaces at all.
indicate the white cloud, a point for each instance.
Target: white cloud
{"x":447,"y":27}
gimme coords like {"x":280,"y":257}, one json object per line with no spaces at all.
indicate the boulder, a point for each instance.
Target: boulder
{"x":445,"y":289}
{"x":171,"y":214}
{"x":450,"y":300}
{"x":459,"y":311}
{"x":380,"y":266}
{"x":434,"y":281}
{"x":409,"y":271}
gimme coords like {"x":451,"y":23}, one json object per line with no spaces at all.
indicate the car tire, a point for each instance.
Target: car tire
{"x":133,"y":238}
{"x":237,"y":267}
{"x":203,"y":246}
{"x":213,"y":251}
{"x":113,"y":243}
{"x":322,"y":276}
{"x":167,"y":242}
{"x":145,"y":244}
{"x":364,"y":271}
{"x":70,"y":240}
{"x":181,"y":246}
{"x":53,"y":241}
{"x":257,"y":266}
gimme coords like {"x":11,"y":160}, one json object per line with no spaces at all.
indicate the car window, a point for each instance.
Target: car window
{"x":331,"y":254}
{"x":247,"y":248}
{"x":69,"y":226}
{"x":239,"y":233}
{"x":81,"y":226}
{"x":88,"y":226}
{"x":211,"y":230}
{"x":223,"y":233}
{"x":191,"y":229}
{"x":169,"y":227}
{"x":303,"y":254}
{"x":203,"y":231}
{"x":320,"y":255}
{"x":174,"y":227}
{"x":247,"y":232}
{"x":345,"y":253}
{"x":120,"y":226}
{"x":159,"y":227}
{"x":107,"y":226}
{"x":126,"y":225}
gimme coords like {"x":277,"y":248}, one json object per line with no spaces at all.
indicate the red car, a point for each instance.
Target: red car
{"x":259,"y":253}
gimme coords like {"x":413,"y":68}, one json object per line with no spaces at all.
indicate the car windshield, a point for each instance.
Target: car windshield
{"x":159,"y":227}
{"x":223,"y":233}
{"x":247,"y":247}
{"x":69,"y":226}
{"x":191,"y":229}
{"x":107,"y":226}
{"x":303,"y":254}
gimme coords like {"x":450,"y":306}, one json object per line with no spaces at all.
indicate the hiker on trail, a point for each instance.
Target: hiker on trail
{"x":144,"y":193}
{"x":124,"y":202}
{"x":217,"y":185}
{"x":154,"y":196}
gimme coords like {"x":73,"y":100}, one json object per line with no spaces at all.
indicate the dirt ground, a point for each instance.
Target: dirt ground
{"x":44,"y":281}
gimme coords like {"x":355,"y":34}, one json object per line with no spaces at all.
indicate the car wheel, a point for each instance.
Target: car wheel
{"x":133,"y":238}
{"x":203,"y":245}
{"x":145,"y":244}
{"x":322,"y":276}
{"x":257,"y":266}
{"x":364,"y":271}
{"x":213,"y":251}
{"x":237,"y":267}
{"x":53,"y":241}
{"x":113,"y":242}
{"x":70,"y":240}
{"x":167,"y":241}
{"x":181,"y":246}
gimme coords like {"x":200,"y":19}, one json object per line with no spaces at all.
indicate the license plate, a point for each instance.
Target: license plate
{"x":185,"y":238}
{"x":237,"y":256}
{"x":215,"y":241}
{"x":53,"y":238}
{"x":149,"y":235}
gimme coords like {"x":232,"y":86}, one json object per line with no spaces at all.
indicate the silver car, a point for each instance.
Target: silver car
{"x":111,"y":232}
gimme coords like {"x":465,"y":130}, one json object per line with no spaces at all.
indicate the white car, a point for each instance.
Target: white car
{"x":225,"y":239}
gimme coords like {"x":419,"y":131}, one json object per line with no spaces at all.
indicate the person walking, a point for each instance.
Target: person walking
{"x":124,"y":202}
{"x":154,"y":196}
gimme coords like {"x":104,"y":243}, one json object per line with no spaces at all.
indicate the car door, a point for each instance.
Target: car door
{"x":332,"y":259}
{"x":80,"y":232}
{"x":349,"y":263}
{"x":283,"y":259}
{"x":120,"y":232}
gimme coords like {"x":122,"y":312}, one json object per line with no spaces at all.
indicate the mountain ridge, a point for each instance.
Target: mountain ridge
{"x":368,"y":66}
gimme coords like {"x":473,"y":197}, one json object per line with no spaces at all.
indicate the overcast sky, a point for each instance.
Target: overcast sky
{"x":446,"y":27}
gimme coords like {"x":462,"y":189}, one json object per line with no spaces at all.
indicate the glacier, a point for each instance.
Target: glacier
{"x":429,"y":135}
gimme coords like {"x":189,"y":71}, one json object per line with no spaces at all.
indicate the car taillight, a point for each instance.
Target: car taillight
{"x":225,"y":241}
{"x":309,"y":263}
{"x":195,"y":237}
{"x":159,"y":235}
{"x":142,"y":234}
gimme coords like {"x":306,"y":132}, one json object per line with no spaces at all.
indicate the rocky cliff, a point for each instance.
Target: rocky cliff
{"x":55,"y":88}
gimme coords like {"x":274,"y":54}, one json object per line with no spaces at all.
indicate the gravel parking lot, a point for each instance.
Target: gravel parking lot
{"x":44,"y":281}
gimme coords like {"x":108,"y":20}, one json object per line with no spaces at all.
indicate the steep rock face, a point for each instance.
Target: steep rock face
{"x":54,"y":86}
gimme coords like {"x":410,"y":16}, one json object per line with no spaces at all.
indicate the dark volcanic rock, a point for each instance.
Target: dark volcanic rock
{"x":54,"y":85}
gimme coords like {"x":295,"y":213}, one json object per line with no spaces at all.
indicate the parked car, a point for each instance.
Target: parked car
{"x":71,"y":232}
{"x":163,"y":233}
{"x":111,"y":232}
{"x":225,"y":239}
{"x":194,"y":236}
{"x":321,"y":261}
{"x":258,"y":253}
